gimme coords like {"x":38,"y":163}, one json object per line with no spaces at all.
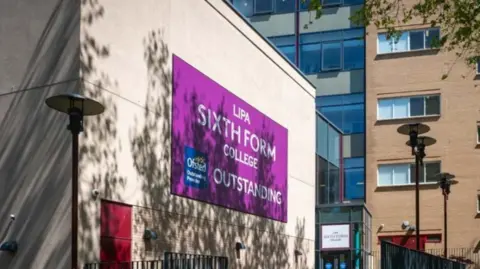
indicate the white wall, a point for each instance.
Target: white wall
{"x":130,"y":162}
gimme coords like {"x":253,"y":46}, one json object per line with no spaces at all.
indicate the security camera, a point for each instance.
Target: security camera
{"x":12,"y":217}
{"x":95,"y":193}
{"x":405,"y":224}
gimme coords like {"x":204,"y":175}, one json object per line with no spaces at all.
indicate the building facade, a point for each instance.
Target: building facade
{"x":186,"y":157}
{"x":330,"y":51}
{"x":410,"y":81}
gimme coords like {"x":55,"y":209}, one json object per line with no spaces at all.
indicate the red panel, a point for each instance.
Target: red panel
{"x":116,"y":220}
{"x":118,"y":250}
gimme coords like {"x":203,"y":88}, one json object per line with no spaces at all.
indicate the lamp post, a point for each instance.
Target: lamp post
{"x":445,"y":180}
{"x":76,"y":106}
{"x":418,"y":145}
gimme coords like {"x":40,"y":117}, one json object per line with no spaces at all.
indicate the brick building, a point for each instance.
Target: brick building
{"x":406,"y":84}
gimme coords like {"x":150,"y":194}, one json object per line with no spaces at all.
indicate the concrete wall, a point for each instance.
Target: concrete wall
{"x":420,"y":73}
{"x":333,"y":18}
{"x":274,"y":25}
{"x":128,"y":158}
{"x":39,"y":55}
{"x":339,"y":82}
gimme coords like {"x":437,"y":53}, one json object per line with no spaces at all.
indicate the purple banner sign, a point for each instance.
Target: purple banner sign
{"x":224,"y":151}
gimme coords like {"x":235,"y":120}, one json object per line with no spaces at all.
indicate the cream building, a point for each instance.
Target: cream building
{"x":122,"y":53}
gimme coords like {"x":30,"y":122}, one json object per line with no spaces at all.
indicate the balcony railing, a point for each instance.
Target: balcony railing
{"x":469,"y":256}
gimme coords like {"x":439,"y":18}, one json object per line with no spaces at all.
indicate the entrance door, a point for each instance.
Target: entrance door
{"x":335,"y":260}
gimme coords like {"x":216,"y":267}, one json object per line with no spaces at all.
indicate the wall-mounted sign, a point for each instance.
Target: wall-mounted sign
{"x":224,"y":151}
{"x":335,"y":236}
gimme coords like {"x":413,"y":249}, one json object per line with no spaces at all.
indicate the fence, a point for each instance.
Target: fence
{"x":158,"y":264}
{"x":171,"y":261}
{"x":398,"y":257}
{"x":470,"y":256}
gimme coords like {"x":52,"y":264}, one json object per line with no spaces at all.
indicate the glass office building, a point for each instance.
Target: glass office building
{"x":330,"y":51}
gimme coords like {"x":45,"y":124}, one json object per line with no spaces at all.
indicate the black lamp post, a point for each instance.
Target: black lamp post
{"x":76,"y":106}
{"x":445,"y":180}
{"x":418,"y":145}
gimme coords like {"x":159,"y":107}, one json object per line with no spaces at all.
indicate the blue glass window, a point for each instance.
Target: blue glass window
{"x":332,"y":56}
{"x":353,"y":54}
{"x":285,"y":44}
{"x":347,"y":111}
{"x":244,"y":6}
{"x":432,"y":37}
{"x":332,"y":50}
{"x":284,"y":6}
{"x":354,"y":178}
{"x":289,"y":52}
{"x":327,"y":3}
{"x":263,"y":6}
{"x":310,"y":58}
{"x":417,"y":40}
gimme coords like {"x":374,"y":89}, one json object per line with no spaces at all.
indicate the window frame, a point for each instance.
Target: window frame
{"x":340,"y":40}
{"x":424,"y":97}
{"x":341,"y":4}
{"x":343,"y":104}
{"x":477,"y":67}
{"x":478,"y":133}
{"x":424,"y":30}
{"x":409,"y":173}
{"x":478,"y":202}
{"x":271,"y":11}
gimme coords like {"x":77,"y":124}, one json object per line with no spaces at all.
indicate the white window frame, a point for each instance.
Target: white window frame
{"x":478,"y":131}
{"x":408,"y":107}
{"x":412,"y":181}
{"x":408,"y":41}
{"x":478,"y":202}
{"x":272,"y":9}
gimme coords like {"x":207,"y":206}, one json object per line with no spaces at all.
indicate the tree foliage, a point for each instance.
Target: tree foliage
{"x":459,"y":21}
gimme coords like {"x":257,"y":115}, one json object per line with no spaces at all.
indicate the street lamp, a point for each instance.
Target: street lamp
{"x":418,"y":145}
{"x":76,"y":106}
{"x":445,"y":180}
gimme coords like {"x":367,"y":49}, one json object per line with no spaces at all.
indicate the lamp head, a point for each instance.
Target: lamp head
{"x":66,"y":103}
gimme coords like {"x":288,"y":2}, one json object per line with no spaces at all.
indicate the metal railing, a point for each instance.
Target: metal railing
{"x":171,"y":261}
{"x":469,"y":256}
{"x":158,"y":264}
{"x":393,"y":256}
{"x":191,"y":261}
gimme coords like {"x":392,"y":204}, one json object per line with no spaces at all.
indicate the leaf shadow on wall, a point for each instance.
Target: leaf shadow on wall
{"x":185,"y":225}
{"x":33,"y":187}
{"x":99,"y":142}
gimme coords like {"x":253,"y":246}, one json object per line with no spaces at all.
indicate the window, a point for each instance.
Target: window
{"x":346,"y":111}
{"x":286,"y":45}
{"x":328,"y":182}
{"x":406,"y":107}
{"x":354,"y":177}
{"x":327,"y":3}
{"x":409,"y":41}
{"x":478,"y":203}
{"x":327,"y":141}
{"x":478,"y":132}
{"x":434,"y":238}
{"x":333,"y":50}
{"x":478,"y":68}
{"x":263,"y":6}
{"x":404,"y":174}
{"x":284,"y":6}
{"x":244,"y":6}
{"x":332,"y":56}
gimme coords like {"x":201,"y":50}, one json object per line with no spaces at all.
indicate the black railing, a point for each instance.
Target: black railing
{"x":469,"y":256}
{"x":126,"y":265}
{"x":171,"y":261}
{"x":191,"y":261}
{"x":398,"y":257}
